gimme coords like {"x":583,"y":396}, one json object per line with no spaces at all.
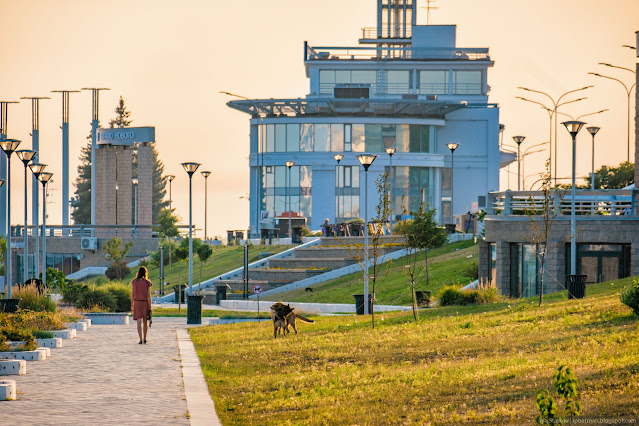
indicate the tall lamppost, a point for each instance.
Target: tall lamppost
{"x":366,"y":160}
{"x":206,"y":200}
{"x":289,"y":164}
{"x":25,"y":155}
{"x":573,"y":128}
{"x":36,"y":169}
{"x":44,"y":179}
{"x":390,"y":152}
{"x":452,"y":146}
{"x":190,"y":168}
{"x":135,"y":182}
{"x":8,"y":146}
{"x":170,"y":178}
{"x":338,"y":158}
{"x":593,"y":131}
{"x":518,"y":140}
{"x":628,"y":92}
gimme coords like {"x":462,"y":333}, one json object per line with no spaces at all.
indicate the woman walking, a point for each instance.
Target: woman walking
{"x":141,"y":300}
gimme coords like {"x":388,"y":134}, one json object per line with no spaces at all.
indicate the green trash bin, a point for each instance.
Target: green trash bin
{"x":359,"y":303}
{"x":576,"y":285}
{"x":179,"y":295}
{"x":194,"y":309}
{"x":220,"y":293}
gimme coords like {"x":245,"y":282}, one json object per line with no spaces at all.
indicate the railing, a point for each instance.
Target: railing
{"x":612,"y":202}
{"x":409,"y":52}
{"x":387,"y":32}
{"x":79,"y":231}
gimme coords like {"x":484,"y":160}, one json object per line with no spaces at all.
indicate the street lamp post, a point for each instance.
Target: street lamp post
{"x":44,"y":178}
{"x":452,"y":147}
{"x":289,"y":164}
{"x":593,"y":131}
{"x":8,"y":146}
{"x":206,"y":174}
{"x":518,"y":140}
{"x":390,"y":152}
{"x":135,"y":182}
{"x":170,"y":178}
{"x":573,"y":128}
{"x":36,"y":169}
{"x":25,"y":155}
{"x":338,"y":158}
{"x":366,"y":160}
{"x":190,"y":168}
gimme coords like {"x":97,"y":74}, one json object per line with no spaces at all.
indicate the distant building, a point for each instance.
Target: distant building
{"x":405,"y":86}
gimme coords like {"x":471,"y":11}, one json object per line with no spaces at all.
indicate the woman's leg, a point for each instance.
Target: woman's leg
{"x":146,"y":327}
{"x":140,"y":328}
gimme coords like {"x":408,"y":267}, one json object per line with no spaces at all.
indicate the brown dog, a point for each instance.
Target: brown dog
{"x":283,"y":316}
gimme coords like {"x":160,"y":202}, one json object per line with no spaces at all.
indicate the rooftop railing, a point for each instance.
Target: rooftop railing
{"x":607,"y":202}
{"x":387,"y":32}
{"x":361,"y":53}
{"x":79,"y":231}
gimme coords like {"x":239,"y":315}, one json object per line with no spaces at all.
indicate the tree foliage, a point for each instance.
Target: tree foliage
{"x":167,"y":224}
{"x":614,"y":177}
{"x":81,"y":203}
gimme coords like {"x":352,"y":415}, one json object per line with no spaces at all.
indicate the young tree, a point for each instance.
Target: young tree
{"x":116,"y":254}
{"x":166,"y":224}
{"x":614,"y":177}
{"x":203,"y":253}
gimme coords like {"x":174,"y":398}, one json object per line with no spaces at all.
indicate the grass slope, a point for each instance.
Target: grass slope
{"x":447,"y":265}
{"x":475,"y":364}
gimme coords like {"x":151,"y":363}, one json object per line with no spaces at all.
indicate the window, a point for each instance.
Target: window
{"x":337,"y":137}
{"x":420,"y":139}
{"x":292,"y":137}
{"x":346,"y":193}
{"x":373,"y":138}
{"x":388,"y":135}
{"x":347,"y":138}
{"x":407,"y":184}
{"x":280,"y":138}
{"x":306,"y":137}
{"x":433,"y":82}
{"x":276,"y":190}
{"x":467,"y":83}
{"x":330,"y":78}
{"x":358,"y":137}
{"x":398,"y":82}
{"x":525,"y":268}
{"x":322,"y":141}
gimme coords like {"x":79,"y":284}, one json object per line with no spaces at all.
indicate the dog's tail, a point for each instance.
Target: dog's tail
{"x":301,"y":318}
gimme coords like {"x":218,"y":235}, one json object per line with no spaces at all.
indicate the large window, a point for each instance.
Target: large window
{"x":525,"y":271}
{"x":467,"y":83}
{"x":433,"y":82}
{"x":410,"y":186}
{"x":330,"y":78}
{"x":346,"y":193}
{"x":398,"y":82}
{"x":276,"y":189}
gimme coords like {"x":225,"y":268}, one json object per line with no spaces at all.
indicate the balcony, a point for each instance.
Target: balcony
{"x":394,"y":53}
{"x":394,"y":33}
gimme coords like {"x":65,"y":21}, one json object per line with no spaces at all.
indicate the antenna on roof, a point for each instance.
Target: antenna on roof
{"x":429,"y":7}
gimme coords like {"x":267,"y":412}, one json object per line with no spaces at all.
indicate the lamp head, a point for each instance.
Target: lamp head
{"x":593,"y":130}
{"x":9,"y":145}
{"x":26,"y":155}
{"x":190,"y":168}
{"x":391,"y":151}
{"x":1,"y":182}
{"x":45,"y":177}
{"x":134,"y":181}
{"x":37,"y":168}
{"x":573,"y":127}
{"x":290,"y":164}
{"x":170,"y":177}
{"x":519,"y":139}
{"x":366,"y":160}
{"x":452,"y":146}
{"x":206,"y":174}
{"x":338,"y":157}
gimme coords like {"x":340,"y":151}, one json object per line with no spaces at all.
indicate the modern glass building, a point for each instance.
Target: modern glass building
{"x":405,"y":86}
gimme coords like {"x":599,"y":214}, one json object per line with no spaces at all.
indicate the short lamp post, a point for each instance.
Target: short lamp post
{"x":366,"y":160}
{"x":25,"y":155}
{"x":9,"y":146}
{"x":338,"y":158}
{"x":518,"y":140}
{"x":289,"y":164}
{"x":452,"y":146}
{"x":190,"y":168}
{"x":36,"y":169}
{"x":135,"y":204}
{"x":390,"y":152}
{"x":206,"y":175}
{"x":593,"y":131}
{"x":573,"y":128}
{"x":170,"y":178}
{"x":44,"y":178}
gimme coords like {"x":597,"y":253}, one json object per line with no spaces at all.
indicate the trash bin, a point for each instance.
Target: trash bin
{"x":220,"y":293}
{"x":422,"y":298}
{"x":194,"y":309}
{"x":179,"y":296}
{"x":359,"y":303}
{"x":297,"y":235}
{"x":230,"y":238}
{"x":9,"y":306}
{"x":576,"y":285}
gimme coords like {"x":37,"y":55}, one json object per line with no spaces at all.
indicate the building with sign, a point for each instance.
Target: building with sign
{"x":405,"y":86}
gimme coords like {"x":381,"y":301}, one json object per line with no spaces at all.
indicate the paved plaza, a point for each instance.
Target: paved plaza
{"x":105,"y":377}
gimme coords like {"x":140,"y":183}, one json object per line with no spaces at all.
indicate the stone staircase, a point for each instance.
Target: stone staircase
{"x":306,"y":262}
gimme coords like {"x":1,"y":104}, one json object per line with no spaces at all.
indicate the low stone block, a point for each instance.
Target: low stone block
{"x":64,"y":334}
{"x":55,"y":342}
{"x":108,"y":318}
{"x":47,"y":351}
{"x":78,"y":326}
{"x":7,"y":390}
{"x":25,"y":355}
{"x":87,"y":321}
{"x":12,"y":367}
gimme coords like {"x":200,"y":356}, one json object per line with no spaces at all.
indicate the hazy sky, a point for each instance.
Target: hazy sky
{"x":170,"y":59}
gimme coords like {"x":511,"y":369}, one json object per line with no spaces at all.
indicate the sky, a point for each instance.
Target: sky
{"x":169,"y":60}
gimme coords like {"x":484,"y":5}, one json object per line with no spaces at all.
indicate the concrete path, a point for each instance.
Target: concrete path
{"x":105,"y":377}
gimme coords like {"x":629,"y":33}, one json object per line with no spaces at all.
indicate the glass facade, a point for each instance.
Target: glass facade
{"x":67,"y":263}
{"x":276,"y":189}
{"x":406,"y":188}
{"x":467,"y":83}
{"x":346,"y":193}
{"x":373,"y":138}
{"x":330,"y":78}
{"x":525,"y":271}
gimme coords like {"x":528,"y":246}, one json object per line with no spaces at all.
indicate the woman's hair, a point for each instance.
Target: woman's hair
{"x":142,"y":273}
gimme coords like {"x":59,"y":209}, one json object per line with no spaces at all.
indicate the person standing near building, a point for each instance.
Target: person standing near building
{"x":141,"y":301}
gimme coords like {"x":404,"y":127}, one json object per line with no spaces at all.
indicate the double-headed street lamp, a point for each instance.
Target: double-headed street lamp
{"x":593,"y":131}
{"x":366,"y":160}
{"x":170,"y":178}
{"x":518,"y":140}
{"x":338,"y":158}
{"x":573,"y":128}
{"x":190,"y":168}
{"x":206,"y":175}
{"x":452,"y":146}
{"x":289,"y":164}
{"x":25,"y":155}
{"x":44,"y":178}
{"x":9,"y":146}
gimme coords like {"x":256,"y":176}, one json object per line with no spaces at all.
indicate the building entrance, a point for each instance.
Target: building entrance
{"x":603,"y":262}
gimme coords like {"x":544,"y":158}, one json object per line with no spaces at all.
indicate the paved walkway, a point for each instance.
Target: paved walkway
{"x":105,"y":377}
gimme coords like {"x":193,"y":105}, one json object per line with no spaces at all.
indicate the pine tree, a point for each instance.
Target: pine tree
{"x":121,"y":115}
{"x":81,"y":203}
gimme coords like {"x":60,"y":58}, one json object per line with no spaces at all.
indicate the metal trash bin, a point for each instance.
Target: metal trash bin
{"x":194,"y":309}
{"x":220,"y":293}
{"x":179,"y":295}
{"x":422,"y":298}
{"x":359,"y":303}
{"x":576,"y":285}
{"x":296,"y":235}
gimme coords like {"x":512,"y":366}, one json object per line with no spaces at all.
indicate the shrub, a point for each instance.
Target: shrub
{"x":472,"y":271}
{"x":630,"y":297}
{"x":30,"y":299}
{"x":36,"y":320}
{"x":72,"y":293}
{"x":101,"y":298}
{"x":56,"y":279}
{"x":121,"y":293}
{"x":16,"y":334}
{"x":452,"y":295}
{"x":39,"y":334}
{"x":117,"y":270}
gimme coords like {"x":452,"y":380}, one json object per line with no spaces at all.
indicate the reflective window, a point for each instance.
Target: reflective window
{"x":347,"y":138}
{"x":420,"y":139}
{"x":270,"y":138}
{"x":337,"y":137}
{"x":398,"y":82}
{"x":467,"y":83}
{"x":280,"y":138}
{"x":276,"y":190}
{"x":330,"y":78}
{"x":373,"y":138}
{"x":358,"y":137}
{"x":410,"y":186}
{"x":346,"y":193}
{"x":292,"y":137}
{"x":306,"y":137}
{"x":402,"y":138}
{"x":322,"y":141}
{"x":433,"y":82}
{"x":388,"y":136}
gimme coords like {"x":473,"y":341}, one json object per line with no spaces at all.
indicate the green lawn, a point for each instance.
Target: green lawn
{"x":447,"y":265}
{"x":174,"y":312}
{"x":477,"y":364}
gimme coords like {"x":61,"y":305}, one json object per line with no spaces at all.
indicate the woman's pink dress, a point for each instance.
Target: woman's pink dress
{"x":140,"y":298}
